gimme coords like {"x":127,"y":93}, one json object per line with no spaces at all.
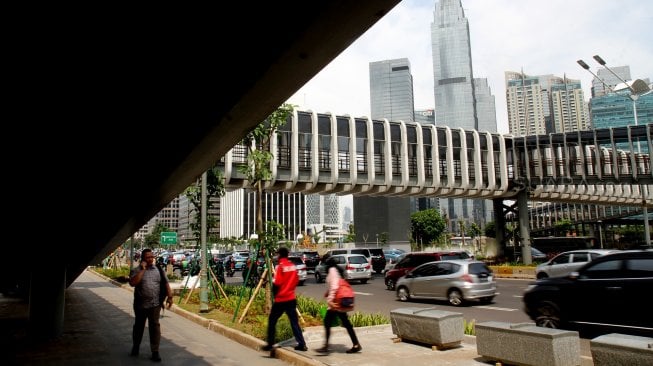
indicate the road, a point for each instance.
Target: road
{"x":373,"y":297}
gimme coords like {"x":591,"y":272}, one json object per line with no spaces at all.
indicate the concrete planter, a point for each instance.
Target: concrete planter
{"x":621,"y":349}
{"x":526,"y":344}
{"x":440,"y":329}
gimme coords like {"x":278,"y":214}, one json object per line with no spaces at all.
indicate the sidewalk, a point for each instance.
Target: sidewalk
{"x":98,"y":331}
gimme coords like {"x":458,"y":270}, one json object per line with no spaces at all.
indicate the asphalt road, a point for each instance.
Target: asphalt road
{"x":373,"y":297}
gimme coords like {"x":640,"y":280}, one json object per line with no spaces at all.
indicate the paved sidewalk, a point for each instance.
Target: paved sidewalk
{"x":98,"y":331}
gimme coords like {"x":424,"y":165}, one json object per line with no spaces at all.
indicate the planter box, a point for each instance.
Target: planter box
{"x":621,"y":349}
{"x":440,"y":329}
{"x":527,"y":344}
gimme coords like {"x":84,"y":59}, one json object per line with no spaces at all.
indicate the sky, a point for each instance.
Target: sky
{"x":537,"y":36}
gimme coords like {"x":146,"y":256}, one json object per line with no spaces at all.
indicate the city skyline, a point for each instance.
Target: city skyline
{"x":536,"y":36}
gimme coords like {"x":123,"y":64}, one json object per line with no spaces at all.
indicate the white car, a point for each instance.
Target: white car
{"x":567,"y":262}
{"x":301,"y":268}
{"x":356,"y":267}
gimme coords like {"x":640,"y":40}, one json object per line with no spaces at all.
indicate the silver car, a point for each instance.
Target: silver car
{"x":567,"y":262}
{"x":453,"y":280}
{"x":356,"y":267}
{"x":301,"y":268}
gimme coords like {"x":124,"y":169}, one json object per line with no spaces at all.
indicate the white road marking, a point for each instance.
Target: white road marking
{"x":496,"y":308}
{"x":363,"y":293}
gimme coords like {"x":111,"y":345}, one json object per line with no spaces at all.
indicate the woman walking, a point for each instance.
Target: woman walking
{"x":334,"y":274}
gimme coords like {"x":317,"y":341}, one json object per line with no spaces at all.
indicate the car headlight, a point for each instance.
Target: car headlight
{"x":530,"y":287}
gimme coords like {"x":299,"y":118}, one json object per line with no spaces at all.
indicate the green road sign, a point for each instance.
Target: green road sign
{"x":168,"y":238}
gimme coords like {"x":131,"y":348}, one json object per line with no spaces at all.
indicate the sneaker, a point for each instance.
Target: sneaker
{"x":301,"y":348}
{"x":266,"y":348}
{"x":324,"y":349}
{"x":156,"y":357}
{"x":355,"y":348}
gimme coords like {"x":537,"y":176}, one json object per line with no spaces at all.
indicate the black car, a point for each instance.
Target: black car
{"x":311,"y":259}
{"x":378,"y":259}
{"x":608,"y":294}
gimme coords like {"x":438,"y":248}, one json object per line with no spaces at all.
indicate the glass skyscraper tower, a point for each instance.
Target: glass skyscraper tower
{"x":460,"y":100}
{"x":391,"y":90}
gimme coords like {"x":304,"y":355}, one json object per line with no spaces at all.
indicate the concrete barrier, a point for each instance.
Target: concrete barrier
{"x":621,"y":349}
{"x":440,"y":329}
{"x":527,"y":344}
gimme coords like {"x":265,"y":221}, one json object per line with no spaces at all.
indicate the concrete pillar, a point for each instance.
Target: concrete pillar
{"x":46,"y":301}
{"x":524,"y":232}
{"x":499,"y":224}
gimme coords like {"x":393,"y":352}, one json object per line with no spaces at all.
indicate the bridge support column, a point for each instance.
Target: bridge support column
{"x":500,"y":224}
{"x":524,"y":228}
{"x":376,"y":215}
{"x":46,"y":301}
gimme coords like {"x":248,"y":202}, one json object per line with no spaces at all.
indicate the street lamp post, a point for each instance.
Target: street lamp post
{"x":600,"y":233}
{"x":634,"y":95}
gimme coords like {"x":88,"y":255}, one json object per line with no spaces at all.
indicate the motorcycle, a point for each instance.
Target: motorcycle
{"x":230,"y":267}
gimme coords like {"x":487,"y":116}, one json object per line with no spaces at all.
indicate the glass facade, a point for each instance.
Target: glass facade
{"x":452,"y":67}
{"x":460,"y":100}
{"x":391,"y":90}
{"x":615,"y":110}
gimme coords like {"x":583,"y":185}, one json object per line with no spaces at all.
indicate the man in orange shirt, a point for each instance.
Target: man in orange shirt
{"x":284,"y":284}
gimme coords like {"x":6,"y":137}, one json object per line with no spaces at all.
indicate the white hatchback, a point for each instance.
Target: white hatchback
{"x":567,"y":262}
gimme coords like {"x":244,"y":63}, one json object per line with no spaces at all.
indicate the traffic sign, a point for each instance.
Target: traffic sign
{"x":168,"y":238}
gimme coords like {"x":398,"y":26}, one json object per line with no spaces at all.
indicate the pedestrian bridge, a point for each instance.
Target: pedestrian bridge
{"x":326,"y":153}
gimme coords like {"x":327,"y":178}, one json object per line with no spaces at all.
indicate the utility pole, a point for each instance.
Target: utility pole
{"x":204,"y":295}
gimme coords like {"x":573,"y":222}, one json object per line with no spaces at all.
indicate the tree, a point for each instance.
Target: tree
{"x":153,"y":239}
{"x":258,"y":171}
{"x":214,"y":188}
{"x":351,"y":235}
{"x":474,"y":231}
{"x":490,"y":230}
{"x":427,"y":225}
{"x":563,"y":226}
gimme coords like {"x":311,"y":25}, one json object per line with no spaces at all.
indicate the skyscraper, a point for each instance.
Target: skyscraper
{"x":598,"y":87}
{"x":391,"y":90}
{"x":452,"y":67}
{"x":391,"y":97}
{"x":460,"y":100}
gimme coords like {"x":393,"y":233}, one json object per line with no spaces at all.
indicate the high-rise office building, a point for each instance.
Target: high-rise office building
{"x":544,"y":104}
{"x":606,"y":77}
{"x":391,"y":90}
{"x":391,"y":98}
{"x":460,"y":100}
{"x":452,"y":67}
{"x":568,"y":106}
{"x":238,"y":211}
{"x":528,"y":104}
{"x":425,"y":116}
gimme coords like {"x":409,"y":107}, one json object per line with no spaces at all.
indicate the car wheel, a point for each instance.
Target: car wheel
{"x":363,"y":281}
{"x":403,"y":294}
{"x":541,"y":275}
{"x":455,"y":298}
{"x":301,"y":283}
{"x":318,"y":277}
{"x":548,"y":315}
{"x":390,"y":285}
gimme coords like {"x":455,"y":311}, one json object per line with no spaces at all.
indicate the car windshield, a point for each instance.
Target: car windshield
{"x":296,"y":260}
{"x":536,"y":251}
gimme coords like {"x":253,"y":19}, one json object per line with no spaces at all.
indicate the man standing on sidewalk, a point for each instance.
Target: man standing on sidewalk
{"x":151,"y":288}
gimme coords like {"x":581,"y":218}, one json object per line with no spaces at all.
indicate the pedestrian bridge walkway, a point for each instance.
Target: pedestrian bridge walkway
{"x":326,"y":153}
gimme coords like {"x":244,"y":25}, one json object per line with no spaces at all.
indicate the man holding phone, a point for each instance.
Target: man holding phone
{"x":151,"y":287}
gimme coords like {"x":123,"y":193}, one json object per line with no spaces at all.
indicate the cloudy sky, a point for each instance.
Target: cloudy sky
{"x":538,"y":36}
